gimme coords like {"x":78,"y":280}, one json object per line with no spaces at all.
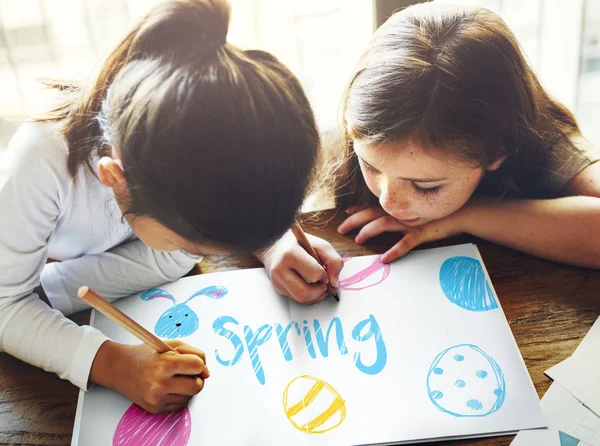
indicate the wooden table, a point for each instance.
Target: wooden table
{"x":550,"y":308}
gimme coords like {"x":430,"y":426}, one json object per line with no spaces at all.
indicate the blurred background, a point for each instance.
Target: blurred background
{"x":320,"y":40}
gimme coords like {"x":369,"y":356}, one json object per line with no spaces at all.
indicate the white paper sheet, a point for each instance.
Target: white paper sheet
{"x":570,"y":422}
{"x":579,"y":373}
{"x":416,"y":350}
{"x":546,"y":437}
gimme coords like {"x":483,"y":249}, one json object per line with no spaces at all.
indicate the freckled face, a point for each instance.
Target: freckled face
{"x":413,"y":186}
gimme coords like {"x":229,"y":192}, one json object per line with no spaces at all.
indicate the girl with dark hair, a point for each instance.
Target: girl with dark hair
{"x":182,"y":145}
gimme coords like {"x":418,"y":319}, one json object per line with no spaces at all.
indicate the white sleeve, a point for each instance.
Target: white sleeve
{"x":123,"y":270}
{"x":30,"y":206}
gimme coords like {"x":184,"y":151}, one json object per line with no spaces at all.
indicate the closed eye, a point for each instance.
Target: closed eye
{"x":426,"y":190}
{"x":368,"y":167}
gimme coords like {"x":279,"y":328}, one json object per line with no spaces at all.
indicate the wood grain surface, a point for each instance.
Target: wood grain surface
{"x":550,"y":308}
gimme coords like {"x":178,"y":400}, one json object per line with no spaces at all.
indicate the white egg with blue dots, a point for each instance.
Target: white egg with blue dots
{"x":464,"y":381}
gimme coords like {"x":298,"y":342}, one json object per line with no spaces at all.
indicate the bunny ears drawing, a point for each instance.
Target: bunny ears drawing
{"x":180,"y":320}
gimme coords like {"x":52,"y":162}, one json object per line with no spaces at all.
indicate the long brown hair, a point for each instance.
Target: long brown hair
{"x":451,"y":79}
{"x":217,"y":143}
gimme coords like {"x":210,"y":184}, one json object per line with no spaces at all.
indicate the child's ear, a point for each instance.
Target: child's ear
{"x":157,"y":293}
{"x":214,"y":292}
{"x":496,"y":163}
{"x":110,"y":172}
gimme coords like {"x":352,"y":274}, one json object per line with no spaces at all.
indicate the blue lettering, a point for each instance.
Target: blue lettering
{"x":282,"y":337}
{"x":253,"y":341}
{"x":308,"y":340}
{"x":363,"y":331}
{"x":323,"y":342}
{"x":218,"y":328}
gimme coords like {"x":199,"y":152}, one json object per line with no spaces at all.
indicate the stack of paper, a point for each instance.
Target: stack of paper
{"x":572,"y":403}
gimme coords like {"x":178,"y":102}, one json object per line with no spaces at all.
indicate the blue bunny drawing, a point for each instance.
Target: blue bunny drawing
{"x":180,"y":320}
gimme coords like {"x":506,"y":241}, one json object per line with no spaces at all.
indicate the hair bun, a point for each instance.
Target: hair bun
{"x":173,"y":24}
{"x":211,"y":17}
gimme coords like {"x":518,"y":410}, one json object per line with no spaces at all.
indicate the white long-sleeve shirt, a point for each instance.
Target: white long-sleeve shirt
{"x":43,"y":214}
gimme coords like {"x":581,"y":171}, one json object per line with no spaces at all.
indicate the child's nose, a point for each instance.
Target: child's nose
{"x":393,"y":201}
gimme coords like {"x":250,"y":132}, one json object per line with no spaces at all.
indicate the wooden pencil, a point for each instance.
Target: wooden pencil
{"x":116,"y":315}
{"x":304,"y":243}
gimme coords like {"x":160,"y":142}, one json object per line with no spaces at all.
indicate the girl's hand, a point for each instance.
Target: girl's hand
{"x":157,"y":382}
{"x":359,"y":217}
{"x":375,"y":221}
{"x":295,"y":274}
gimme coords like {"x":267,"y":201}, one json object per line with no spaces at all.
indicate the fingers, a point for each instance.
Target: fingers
{"x":360,"y":218}
{"x":174,"y":403}
{"x":191,"y":361}
{"x":161,"y":398}
{"x":379,"y":226}
{"x":353,"y":209}
{"x":296,"y":274}
{"x":184,"y":348}
{"x":185,"y":385}
{"x":331,"y":259}
{"x":308,"y":268}
{"x":177,"y":405}
{"x":412,"y":239}
{"x":162,"y":382}
{"x":306,"y":278}
{"x":191,"y":365}
{"x":294,"y":257}
{"x":436,"y":230}
{"x":295,"y":287}
{"x":408,"y":242}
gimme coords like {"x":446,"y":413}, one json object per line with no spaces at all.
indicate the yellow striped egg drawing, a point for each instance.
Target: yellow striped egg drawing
{"x":312,"y":405}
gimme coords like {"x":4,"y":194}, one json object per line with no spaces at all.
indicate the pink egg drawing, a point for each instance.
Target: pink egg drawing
{"x":364,"y":278}
{"x":140,"y":428}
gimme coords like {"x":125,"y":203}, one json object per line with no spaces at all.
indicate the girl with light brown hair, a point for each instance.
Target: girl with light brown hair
{"x":447,"y":130}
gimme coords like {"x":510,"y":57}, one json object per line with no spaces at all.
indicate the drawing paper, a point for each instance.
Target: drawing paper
{"x":414,"y":351}
{"x":579,"y":373}
{"x":570,"y":422}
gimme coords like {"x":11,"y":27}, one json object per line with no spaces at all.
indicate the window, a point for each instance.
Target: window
{"x":588,"y":94}
{"x":320,"y":40}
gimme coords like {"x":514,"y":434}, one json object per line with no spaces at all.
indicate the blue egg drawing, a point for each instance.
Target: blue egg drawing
{"x":471,"y":384}
{"x":464,"y":283}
